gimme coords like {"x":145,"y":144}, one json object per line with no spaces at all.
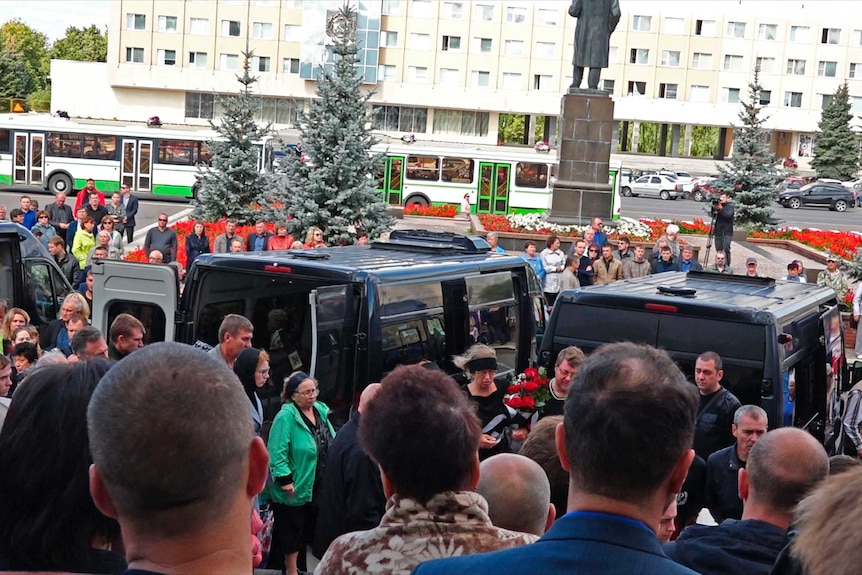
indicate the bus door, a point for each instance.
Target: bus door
{"x":29,"y":165}
{"x":493,"y":194}
{"x":391,"y":181}
{"x":138,"y":165}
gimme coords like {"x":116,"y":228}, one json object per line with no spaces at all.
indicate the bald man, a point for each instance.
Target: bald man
{"x":783,"y":467}
{"x":352,"y":496}
{"x":518,"y":493}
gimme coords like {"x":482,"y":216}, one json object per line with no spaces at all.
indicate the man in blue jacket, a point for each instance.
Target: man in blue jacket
{"x":623,"y":394}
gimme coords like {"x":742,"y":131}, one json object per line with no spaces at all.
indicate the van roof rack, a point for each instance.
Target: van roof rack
{"x":424,"y":240}
{"x":731,"y":278}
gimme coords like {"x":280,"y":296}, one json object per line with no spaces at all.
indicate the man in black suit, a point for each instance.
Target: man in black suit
{"x":131,"y":204}
{"x":258,"y":241}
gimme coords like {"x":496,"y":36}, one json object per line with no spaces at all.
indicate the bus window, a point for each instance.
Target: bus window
{"x":100,"y":147}
{"x":203,"y":154}
{"x":64,"y":145}
{"x":5,"y":141}
{"x":423,"y":168}
{"x":531,"y":175}
{"x":178,"y":152}
{"x":458,"y":170}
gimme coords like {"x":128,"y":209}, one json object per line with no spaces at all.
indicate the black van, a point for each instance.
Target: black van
{"x":767,"y":332}
{"x":346,"y":315}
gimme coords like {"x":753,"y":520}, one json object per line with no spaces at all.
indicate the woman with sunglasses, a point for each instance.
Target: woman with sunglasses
{"x":314,"y":239}
{"x":554,"y":262}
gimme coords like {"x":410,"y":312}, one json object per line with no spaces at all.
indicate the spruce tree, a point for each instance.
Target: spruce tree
{"x":335,"y":188}
{"x":751,"y":175}
{"x":234,"y":185}
{"x":836,"y":151}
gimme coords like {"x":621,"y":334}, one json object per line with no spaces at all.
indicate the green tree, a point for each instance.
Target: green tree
{"x":31,"y":46}
{"x":836,"y":151}
{"x":334,"y":190}
{"x":751,"y":174}
{"x":510,"y":128}
{"x":82,"y":44}
{"x":234,"y":185}
{"x":16,"y":80}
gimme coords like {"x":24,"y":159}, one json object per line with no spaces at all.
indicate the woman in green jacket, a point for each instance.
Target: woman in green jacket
{"x":298,"y":444}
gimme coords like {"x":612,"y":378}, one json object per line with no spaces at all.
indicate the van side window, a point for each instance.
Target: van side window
{"x":407,"y":341}
{"x":210,"y":317}
{"x":148,"y":314}
{"x":494,"y":315}
{"x":7,"y":281}
{"x":45,"y":290}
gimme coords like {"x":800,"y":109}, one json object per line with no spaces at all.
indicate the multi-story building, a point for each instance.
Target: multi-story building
{"x":446,"y":69}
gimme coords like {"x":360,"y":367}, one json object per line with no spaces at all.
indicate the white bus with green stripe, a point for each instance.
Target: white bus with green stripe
{"x":499,"y":180}
{"x":59,"y":155}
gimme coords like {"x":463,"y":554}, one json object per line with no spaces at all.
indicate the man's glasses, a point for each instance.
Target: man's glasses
{"x":163,"y":219}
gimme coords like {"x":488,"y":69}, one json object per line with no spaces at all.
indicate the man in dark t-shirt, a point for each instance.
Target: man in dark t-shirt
{"x":567,"y":364}
{"x":713,"y":429}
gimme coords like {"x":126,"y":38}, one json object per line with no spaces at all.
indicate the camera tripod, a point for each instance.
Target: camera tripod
{"x":714,"y":211}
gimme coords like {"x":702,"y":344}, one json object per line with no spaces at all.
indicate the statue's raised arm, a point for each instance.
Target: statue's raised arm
{"x":597,"y":19}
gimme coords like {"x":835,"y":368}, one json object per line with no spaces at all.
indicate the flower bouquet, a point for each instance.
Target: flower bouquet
{"x":528,"y":392}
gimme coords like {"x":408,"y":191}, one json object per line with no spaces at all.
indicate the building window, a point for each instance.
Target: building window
{"x":827,"y":69}
{"x":730,"y":95}
{"x":292,"y":33}
{"x":136,"y":21}
{"x":670,"y":58}
{"x":290,"y":65}
{"x":543,"y":83}
{"x":636,"y":88}
{"x":516,"y":14}
{"x":830,"y":35}
{"x":399,"y":119}
{"x":199,"y":26}
{"x":167,"y":57}
{"x":641,"y":23}
{"x":388,"y":39}
{"x":453,"y":10}
{"x":482,"y":45}
{"x":765,"y":65}
{"x":799,"y":33}
{"x":767,"y":31}
{"x":732,"y":63}
{"x":418,"y":74}
{"x":511,"y":81}
{"x":451,"y":43}
{"x":199,"y":105}
{"x":197,"y":59}
{"x":420,"y":8}
{"x":480,"y":79}
{"x":639,"y":56}
{"x":261,"y":31}
{"x":228,"y":62}
{"x":607,"y":85}
{"x":386,"y":73}
{"x":701,"y":61}
{"x":483,"y":12}
{"x":765,"y":97}
{"x":857,"y":37}
{"x":514,"y":47}
{"x":668,"y":91}
{"x":391,"y":7}
{"x":420,"y":41}
{"x":613,"y":54}
{"x":674,"y":25}
{"x":735,"y":30}
{"x":855,"y":70}
{"x":855,"y":105}
{"x":260,"y":63}
{"x":699,"y":93}
{"x":135,"y":55}
{"x":796,"y":67}
{"x":825,"y":100}
{"x":547,"y":17}
{"x":545,"y":50}
{"x":704,"y":28}
{"x":167,"y":23}
{"x":793,"y":99}
{"x":461,"y":122}
{"x":230,"y":28}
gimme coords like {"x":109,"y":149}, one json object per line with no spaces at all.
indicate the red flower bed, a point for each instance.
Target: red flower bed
{"x":842,"y":244}
{"x":441,"y":211}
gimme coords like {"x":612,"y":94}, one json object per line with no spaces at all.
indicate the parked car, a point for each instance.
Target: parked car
{"x":790,"y":163}
{"x":833,"y":196}
{"x":685,"y":179}
{"x":708,"y":188}
{"x":665,"y":187}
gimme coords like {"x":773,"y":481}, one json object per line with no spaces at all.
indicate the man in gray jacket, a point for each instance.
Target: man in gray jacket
{"x":637,"y":266}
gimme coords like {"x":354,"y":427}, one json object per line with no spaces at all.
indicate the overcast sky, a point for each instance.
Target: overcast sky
{"x":52,"y":17}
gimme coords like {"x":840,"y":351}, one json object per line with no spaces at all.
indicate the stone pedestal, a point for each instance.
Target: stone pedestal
{"x":581,"y":190}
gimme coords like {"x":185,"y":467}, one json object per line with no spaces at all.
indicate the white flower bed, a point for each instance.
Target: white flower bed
{"x":625,"y":226}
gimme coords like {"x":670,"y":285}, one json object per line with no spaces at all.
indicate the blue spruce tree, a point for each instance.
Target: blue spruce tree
{"x":334,"y":189}
{"x":234,"y":186}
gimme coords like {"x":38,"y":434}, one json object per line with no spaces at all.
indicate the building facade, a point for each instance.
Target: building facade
{"x":444,"y":70}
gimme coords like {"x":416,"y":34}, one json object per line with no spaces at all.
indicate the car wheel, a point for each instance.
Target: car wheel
{"x":664,"y":195}
{"x":626,"y":191}
{"x":840,"y":206}
{"x":794,"y":203}
{"x":697,"y":195}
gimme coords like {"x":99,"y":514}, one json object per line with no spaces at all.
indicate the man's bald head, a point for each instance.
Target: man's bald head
{"x":366,"y":396}
{"x":518,"y":493}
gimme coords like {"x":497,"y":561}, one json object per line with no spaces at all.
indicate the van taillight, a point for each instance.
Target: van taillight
{"x":277,"y":268}
{"x":661,"y":307}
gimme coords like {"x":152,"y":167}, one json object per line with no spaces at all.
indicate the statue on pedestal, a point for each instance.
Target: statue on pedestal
{"x":597,"y":19}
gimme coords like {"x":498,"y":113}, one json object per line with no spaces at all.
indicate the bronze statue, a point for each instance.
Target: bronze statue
{"x":597,"y":20}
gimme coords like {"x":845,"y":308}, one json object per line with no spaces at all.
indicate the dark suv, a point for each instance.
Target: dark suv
{"x":833,"y":196}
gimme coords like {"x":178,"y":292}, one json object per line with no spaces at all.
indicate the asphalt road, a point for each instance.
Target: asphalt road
{"x":681,"y":209}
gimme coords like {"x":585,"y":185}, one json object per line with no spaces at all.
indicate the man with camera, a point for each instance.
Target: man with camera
{"x":722,"y":214}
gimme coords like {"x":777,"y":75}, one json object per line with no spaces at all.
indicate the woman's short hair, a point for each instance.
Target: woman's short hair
{"x":550,"y":241}
{"x":26,"y":350}
{"x":529,"y":243}
{"x":280,"y":226}
{"x":474,"y":352}
{"x":47,"y":518}
{"x":41,"y":213}
{"x":107,"y":219}
{"x":423,"y":432}
{"x":86,"y":220}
